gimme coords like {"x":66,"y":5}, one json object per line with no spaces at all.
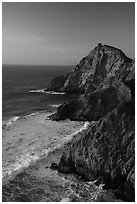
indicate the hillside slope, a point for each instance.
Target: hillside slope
{"x":105,"y":80}
{"x":101,"y":80}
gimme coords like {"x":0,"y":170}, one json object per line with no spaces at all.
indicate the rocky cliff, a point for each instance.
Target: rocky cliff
{"x":101,"y":79}
{"x":105,"y":151}
{"x":101,"y":64}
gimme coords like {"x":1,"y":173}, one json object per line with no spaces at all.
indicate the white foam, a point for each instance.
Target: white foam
{"x":22,"y":162}
{"x":25,"y":160}
{"x":32,"y":114}
{"x":65,"y":199}
{"x":55,"y":105}
{"x":28,"y":157}
{"x":47,"y":92}
{"x":84,"y":127}
{"x":37,"y":91}
{"x":13,"y":120}
{"x":55,"y":93}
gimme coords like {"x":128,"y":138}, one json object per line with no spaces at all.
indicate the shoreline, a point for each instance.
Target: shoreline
{"x":60,"y":132}
{"x":11,"y":120}
{"x":37,"y":181}
{"x":51,"y":186}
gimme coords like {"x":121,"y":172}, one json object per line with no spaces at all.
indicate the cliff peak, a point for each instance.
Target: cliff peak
{"x":101,"y":63}
{"x":105,"y":80}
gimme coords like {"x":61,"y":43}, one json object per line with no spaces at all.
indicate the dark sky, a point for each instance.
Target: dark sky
{"x":63,"y":33}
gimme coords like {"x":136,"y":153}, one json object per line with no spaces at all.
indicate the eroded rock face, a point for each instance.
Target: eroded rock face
{"x":57,"y":83}
{"x":105,"y":151}
{"x":94,"y":105}
{"x":102,"y":63}
{"x":102,"y":78}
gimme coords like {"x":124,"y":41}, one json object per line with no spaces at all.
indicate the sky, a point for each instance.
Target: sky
{"x":54,"y":33}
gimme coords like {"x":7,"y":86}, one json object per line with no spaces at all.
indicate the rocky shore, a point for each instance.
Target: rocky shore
{"x":105,"y":80}
{"x":41,"y":183}
{"x":31,"y":145}
{"x":34,"y":176}
{"x":92,"y":138}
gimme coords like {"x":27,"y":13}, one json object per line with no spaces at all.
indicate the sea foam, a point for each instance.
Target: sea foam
{"x":47,"y":92}
{"x":12,"y":120}
{"x":55,"y":105}
{"x":37,"y":91}
{"x":15,"y":118}
{"x":28,"y":157}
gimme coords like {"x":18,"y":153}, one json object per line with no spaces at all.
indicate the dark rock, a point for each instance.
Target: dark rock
{"x":105,"y":151}
{"x":102,"y":63}
{"x":66,"y":166}
{"x":126,"y":192}
{"x":54,"y":166}
{"x":57,"y":83}
{"x":22,"y":198}
{"x":103,"y":77}
{"x":94,"y":105}
{"x":68,"y":110}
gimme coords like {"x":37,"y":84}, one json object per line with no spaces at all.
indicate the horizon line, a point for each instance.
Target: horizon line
{"x":6,"y":64}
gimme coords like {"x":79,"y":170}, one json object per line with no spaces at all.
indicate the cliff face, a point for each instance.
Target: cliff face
{"x":105,"y":151}
{"x":102,"y":63}
{"x":57,"y":83}
{"x":105,"y":80}
{"x":101,"y":79}
{"x":94,"y":105}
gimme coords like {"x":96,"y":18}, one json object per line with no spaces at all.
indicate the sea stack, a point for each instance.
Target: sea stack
{"x":105,"y":82}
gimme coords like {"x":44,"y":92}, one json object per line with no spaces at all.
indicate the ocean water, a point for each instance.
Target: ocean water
{"x":24,"y":96}
{"x":23,"y":89}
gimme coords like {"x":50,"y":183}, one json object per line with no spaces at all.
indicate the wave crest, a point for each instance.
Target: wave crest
{"x":47,"y":92}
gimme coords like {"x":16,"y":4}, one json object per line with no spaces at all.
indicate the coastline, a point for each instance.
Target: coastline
{"x":37,"y":171}
{"x":35,"y":136}
{"x":35,"y":180}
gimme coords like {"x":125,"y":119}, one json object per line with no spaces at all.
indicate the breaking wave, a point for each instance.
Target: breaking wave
{"x":55,"y":105}
{"x":15,"y":118}
{"x":47,"y":92}
{"x":31,"y":156}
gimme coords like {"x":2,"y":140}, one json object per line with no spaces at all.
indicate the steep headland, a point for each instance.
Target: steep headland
{"x":101,"y":79}
{"x":101,"y":64}
{"x":105,"y":80}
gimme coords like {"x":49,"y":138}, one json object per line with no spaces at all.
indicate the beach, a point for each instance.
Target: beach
{"x":34,"y":143}
{"x":31,"y":137}
{"x":41,"y":143}
{"x":28,"y":175}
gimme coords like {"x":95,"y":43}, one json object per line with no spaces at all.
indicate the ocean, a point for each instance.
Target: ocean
{"x":23,"y":89}
{"x":28,"y":141}
{"x":23,"y":97}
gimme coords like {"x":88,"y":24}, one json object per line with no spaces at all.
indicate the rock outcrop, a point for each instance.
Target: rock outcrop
{"x":94,"y":105}
{"x":104,"y":151}
{"x":57,"y":83}
{"x":103,"y":62}
{"x":101,"y":77}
